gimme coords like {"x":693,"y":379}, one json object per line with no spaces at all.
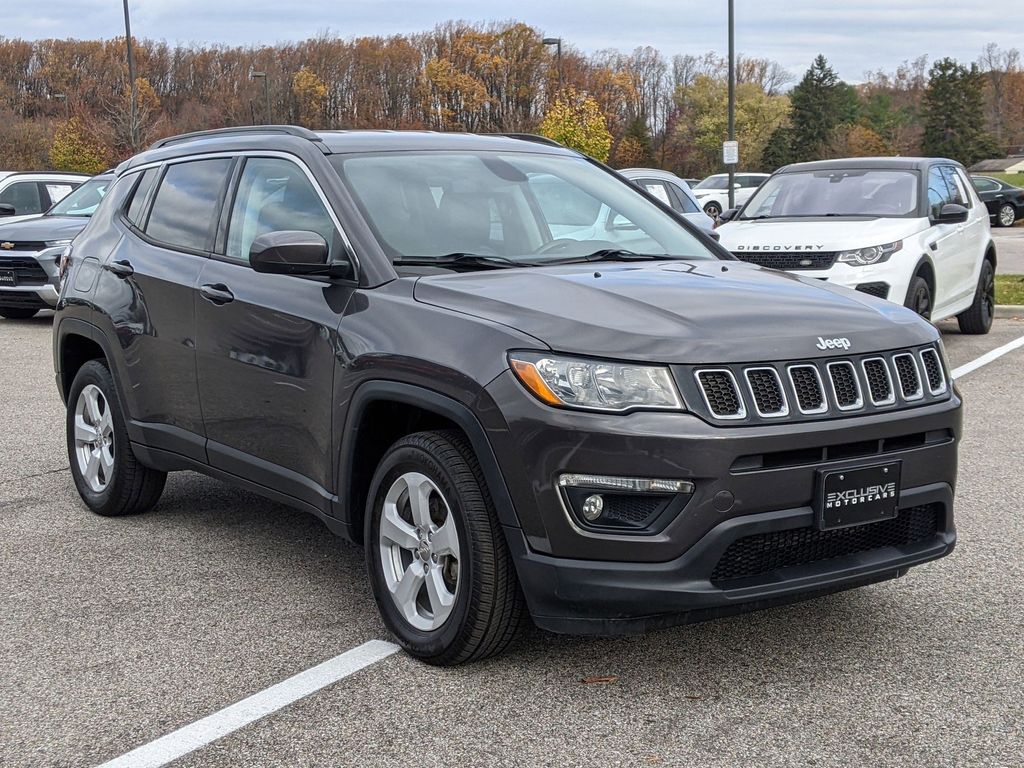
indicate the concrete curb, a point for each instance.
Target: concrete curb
{"x":1005,"y":311}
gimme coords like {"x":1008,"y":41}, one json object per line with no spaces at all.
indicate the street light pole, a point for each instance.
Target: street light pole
{"x":732,"y":102}
{"x":556,"y":41}
{"x":134,"y":105}
{"x":266,"y":91}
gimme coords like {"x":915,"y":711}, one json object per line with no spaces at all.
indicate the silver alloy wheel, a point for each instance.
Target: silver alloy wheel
{"x":94,"y":438}
{"x":1007,"y":215}
{"x":419,"y":551}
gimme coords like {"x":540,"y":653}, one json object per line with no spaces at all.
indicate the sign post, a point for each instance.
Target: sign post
{"x":730,"y":152}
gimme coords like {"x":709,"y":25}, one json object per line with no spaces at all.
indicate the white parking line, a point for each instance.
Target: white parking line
{"x":210,"y":728}
{"x":987,"y":358}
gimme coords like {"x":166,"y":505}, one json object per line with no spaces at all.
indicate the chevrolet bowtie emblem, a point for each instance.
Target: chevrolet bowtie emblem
{"x":7,"y":246}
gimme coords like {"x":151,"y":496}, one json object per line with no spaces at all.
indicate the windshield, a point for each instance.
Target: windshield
{"x":881,"y":193}
{"x":714,"y":182}
{"x":83,"y":201}
{"x":518,"y":207}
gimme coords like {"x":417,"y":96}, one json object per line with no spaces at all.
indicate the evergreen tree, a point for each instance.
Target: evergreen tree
{"x":954,"y":117}
{"x":821,"y":103}
{"x":779,"y":150}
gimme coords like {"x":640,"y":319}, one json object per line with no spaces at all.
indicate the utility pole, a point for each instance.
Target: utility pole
{"x":732,"y":102}
{"x":556,"y":41}
{"x":266,"y":91}
{"x":134,"y":105}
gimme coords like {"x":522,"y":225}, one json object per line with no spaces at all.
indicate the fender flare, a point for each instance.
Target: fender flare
{"x":69,"y":326}
{"x":429,"y":400}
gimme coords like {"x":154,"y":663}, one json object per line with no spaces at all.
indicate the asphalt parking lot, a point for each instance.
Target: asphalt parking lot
{"x":115,"y":632}
{"x":1009,"y":250}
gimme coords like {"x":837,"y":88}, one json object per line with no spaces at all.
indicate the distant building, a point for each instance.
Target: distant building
{"x":1012,"y":164}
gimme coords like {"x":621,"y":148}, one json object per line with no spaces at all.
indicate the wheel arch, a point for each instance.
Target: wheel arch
{"x":380,"y":413}
{"x":926,"y":269}
{"x":77,"y":342}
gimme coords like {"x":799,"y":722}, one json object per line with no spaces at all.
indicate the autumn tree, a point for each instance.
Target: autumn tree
{"x":75,"y":150}
{"x":575,"y":120}
{"x":310,"y":94}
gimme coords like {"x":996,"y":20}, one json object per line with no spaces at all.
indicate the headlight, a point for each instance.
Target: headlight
{"x":876,"y":254}
{"x":596,"y":385}
{"x":56,"y":243}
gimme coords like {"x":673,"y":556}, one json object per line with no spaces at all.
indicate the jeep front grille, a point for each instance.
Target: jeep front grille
{"x":826,"y":388}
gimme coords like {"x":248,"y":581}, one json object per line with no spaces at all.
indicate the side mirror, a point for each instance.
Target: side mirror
{"x":728,"y":215}
{"x":951,"y":213}
{"x":292,"y":252}
{"x":737,"y":185}
{"x":7,"y":210}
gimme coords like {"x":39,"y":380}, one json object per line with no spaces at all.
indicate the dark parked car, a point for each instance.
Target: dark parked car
{"x":604,"y":430}
{"x":1005,"y":202}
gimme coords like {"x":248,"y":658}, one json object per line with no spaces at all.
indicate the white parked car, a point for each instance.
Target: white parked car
{"x":910,"y":230}
{"x":23,"y":195}
{"x":713,"y":192}
{"x":673,"y":191}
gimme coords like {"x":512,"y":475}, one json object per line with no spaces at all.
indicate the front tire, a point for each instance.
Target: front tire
{"x":977,"y":319}
{"x":17,"y":313}
{"x":437,"y":559}
{"x":109,"y":478}
{"x":1007,"y":215}
{"x":919,"y":297}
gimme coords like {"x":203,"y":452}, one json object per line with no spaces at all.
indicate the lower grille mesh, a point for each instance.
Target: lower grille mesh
{"x":765,"y":553}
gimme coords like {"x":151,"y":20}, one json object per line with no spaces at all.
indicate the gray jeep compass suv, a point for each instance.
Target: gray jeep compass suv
{"x":523,"y":406}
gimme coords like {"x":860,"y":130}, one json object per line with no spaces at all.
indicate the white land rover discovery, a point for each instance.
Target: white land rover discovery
{"x":910,"y":230}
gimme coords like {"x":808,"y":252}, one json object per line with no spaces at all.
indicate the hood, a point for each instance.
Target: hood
{"x":677,"y":312}
{"x":832,"y":234}
{"x":43,"y":228}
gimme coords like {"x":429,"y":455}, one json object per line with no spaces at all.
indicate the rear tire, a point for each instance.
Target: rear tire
{"x":1007,"y":216}
{"x":17,"y":313}
{"x":978,"y":318}
{"x":430,"y":519}
{"x":919,"y":297}
{"x":109,"y":478}
{"x":714,"y":210}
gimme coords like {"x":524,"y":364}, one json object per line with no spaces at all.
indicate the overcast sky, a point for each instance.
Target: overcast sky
{"x":855,"y":37}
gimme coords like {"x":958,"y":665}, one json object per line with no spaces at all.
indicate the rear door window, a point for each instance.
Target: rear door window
{"x":187,"y":204}
{"x":985,"y":185}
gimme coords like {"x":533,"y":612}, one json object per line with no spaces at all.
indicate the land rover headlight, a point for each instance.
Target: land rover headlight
{"x":864,"y":257}
{"x":597,"y":385}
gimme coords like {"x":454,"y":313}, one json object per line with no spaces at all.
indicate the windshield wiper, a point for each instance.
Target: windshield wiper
{"x":460,"y":260}
{"x":612,"y":254}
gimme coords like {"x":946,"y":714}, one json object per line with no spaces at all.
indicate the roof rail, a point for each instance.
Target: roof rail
{"x":535,"y":138}
{"x":290,"y":130}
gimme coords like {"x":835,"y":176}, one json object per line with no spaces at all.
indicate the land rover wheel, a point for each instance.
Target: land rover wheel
{"x":978,"y":318}
{"x":919,"y":297}
{"x":1007,"y":215}
{"x":436,"y":555}
{"x":109,"y":478}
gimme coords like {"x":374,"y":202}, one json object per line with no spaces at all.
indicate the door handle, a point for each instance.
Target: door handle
{"x":121,"y":268}
{"x":217,"y":293}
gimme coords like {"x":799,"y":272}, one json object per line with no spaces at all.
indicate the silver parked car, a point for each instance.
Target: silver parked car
{"x":673,"y":191}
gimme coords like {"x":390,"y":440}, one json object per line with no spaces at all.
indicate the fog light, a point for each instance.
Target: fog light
{"x":592,"y":507}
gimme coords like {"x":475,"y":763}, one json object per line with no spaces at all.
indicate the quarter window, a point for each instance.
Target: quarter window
{"x":187,"y":203}
{"x":138,"y":201}
{"x":274,"y":195}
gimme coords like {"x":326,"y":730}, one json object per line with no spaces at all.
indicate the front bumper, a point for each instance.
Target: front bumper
{"x":747,"y":481}
{"x":611,"y":598}
{"x":851,"y":277}
{"x":38,"y":292}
